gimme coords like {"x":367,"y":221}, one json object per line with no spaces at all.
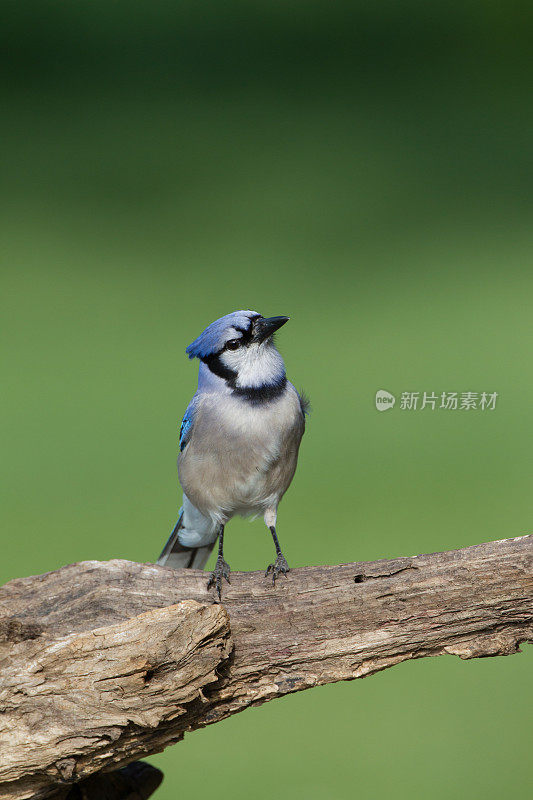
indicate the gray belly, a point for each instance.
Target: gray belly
{"x":241,"y":460}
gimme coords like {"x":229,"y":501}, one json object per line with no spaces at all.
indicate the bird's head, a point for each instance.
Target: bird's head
{"x":239,"y":348}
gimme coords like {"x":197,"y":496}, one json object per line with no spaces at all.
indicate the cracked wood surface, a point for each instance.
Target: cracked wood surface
{"x":103,"y":663}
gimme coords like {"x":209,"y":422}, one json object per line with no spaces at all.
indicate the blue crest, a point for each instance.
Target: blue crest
{"x":215,"y":336}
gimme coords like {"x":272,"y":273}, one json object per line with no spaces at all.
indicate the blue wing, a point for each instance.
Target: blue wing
{"x":186,"y":426}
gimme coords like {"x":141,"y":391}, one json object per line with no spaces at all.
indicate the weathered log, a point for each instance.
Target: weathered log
{"x":103,"y":663}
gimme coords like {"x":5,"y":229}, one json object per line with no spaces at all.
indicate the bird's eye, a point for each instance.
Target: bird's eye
{"x":233,"y":344}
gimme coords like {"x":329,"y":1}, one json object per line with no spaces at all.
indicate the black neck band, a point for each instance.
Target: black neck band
{"x":261,"y":394}
{"x":253,"y":394}
{"x":218,"y":368}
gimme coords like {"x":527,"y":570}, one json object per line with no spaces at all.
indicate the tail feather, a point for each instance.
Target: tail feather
{"x":178,"y":556}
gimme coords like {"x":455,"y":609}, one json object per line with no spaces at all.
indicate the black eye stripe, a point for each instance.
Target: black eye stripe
{"x":247,"y":333}
{"x":245,"y":339}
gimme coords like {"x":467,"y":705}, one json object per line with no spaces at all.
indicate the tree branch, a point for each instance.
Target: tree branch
{"x":104,"y":663}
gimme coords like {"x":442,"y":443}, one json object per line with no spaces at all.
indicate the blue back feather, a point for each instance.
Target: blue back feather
{"x":187,"y":423}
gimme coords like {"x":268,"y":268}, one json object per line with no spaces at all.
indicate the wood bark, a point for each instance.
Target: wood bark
{"x":102,"y":663}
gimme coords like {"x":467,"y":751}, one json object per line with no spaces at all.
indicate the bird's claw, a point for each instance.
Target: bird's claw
{"x":279,"y":567}
{"x":221,"y":570}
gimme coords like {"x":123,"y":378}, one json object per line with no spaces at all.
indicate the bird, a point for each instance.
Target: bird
{"x":239,"y":441}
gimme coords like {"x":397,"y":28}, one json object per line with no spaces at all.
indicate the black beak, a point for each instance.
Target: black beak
{"x":263,"y":328}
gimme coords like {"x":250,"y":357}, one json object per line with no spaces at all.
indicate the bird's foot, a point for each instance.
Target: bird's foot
{"x":221,"y":570}
{"x":279,"y":567}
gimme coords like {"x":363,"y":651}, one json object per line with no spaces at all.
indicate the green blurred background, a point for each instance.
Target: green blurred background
{"x":366,"y":169}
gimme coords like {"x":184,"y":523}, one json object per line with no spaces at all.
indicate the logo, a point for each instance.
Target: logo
{"x":447,"y":401}
{"x":384,"y":400}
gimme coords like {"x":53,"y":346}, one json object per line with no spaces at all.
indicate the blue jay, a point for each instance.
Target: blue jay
{"x":239,"y":440}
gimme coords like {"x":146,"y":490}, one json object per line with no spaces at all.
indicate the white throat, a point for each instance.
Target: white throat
{"x":256,"y":365}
